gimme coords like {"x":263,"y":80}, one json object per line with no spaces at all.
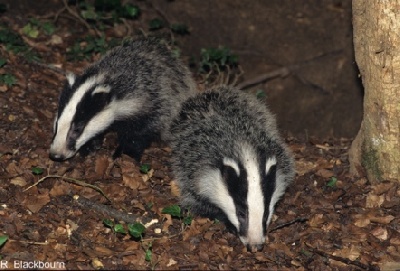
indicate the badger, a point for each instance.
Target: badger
{"x":230,"y":162}
{"x":135,"y":90}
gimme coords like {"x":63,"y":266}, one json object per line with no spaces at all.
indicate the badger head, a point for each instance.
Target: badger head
{"x":85,"y":110}
{"x":246,"y":189}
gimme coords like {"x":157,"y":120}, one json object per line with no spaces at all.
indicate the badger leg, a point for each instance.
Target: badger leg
{"x":133,"y":146}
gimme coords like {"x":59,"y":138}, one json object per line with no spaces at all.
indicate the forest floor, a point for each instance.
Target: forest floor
{"x":54,"y":212}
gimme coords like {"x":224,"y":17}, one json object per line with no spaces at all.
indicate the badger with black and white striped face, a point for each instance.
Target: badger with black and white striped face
{"x":229,"y":161}
{"x":135,"y":89}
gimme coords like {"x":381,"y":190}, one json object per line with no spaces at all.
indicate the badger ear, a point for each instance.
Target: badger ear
{"x":71,"y":78}
{"x":230,"y":163}
{"x":102,"y":89}
{"x":270,"y":165}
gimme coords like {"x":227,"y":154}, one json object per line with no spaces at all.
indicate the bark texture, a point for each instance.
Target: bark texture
{"x":376,"y":148}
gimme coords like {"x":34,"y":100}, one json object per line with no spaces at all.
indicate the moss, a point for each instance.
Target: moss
{"x":370,"y":161}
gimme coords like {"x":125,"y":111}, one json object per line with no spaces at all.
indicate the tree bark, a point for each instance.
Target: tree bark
{"x":376,"y":149}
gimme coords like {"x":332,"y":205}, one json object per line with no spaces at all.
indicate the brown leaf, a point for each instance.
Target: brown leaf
{"x":324,"y":173}
{"x":18,"y":181}
{"x":380,"y":233}
{"x":316,"y":220}
{"x":381,"y":220}
{"x":374,"y":201}
{"x":101,"y":165}
{"x":361,"y":220}
{"x":36,"y":203}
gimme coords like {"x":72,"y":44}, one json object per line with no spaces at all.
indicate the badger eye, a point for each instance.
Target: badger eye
{"x":241,"y":215}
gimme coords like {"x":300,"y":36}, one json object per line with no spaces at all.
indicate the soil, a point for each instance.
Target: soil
{"x":327,"y":220}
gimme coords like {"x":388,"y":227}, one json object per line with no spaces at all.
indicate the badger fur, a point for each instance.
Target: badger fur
{"x":135,"y":89}
{"x":229,"y":161}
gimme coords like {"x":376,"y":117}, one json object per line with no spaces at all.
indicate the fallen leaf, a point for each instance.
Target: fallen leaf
{"x":380,"y":233}
{"x":18,"y":181}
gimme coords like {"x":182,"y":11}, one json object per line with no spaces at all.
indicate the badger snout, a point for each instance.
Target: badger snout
{"x":255,"y":247}
{"x":58,"y":155}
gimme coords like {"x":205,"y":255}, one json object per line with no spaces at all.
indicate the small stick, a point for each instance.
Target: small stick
{"x":71,"y":180}
{"x":341,"y":259}
{"x":105,"y":210}
{"x":281,"y":72}
{"x":300,"y":219}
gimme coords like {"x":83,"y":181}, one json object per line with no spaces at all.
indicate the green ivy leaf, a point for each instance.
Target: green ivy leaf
{"x":148,"y":255}
{"x":145,"y":168}
{"x":136,"y":230}
{"x":3,"y":240}
{"x":332,"y":182}
{"x":156,"y":24}
{"x":108,"y":223}
{"x":130,"y":11}
{"x":7,"y":79}
{"x":180,"y":29}
{"x":30,"y":30}
{"x":37,"y":170}
{"x":173,"y":210}
{"x":188,"y":220}
{"x":48,"y":28}
{"x":119,"y":228}
{"x":3,"y":62}
{"x":89,"y":14}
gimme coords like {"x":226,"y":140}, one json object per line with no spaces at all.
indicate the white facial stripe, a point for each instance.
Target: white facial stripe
{"x":59,"y":144}
{"x":102,"y":89}
{"x":255,"y":198}
{"x":231,"y":163}
{"x":212,"y":186}
{"x":117,"y":109}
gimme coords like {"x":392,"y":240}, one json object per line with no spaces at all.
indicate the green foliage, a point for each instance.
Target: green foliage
{"x":15,"y":44}
{"x":85,"y":48}
{"x":7,"y":79}
{"x":136,"y":230}
{"x":34,"y":27}
{"x":260,"y":94}
{"x":216,"y":59}
{"x":156,"y":24}
{"x":149,"y":253}
{"x":332,"y":182}
{"x":107,"y":12}
{"x":3,"y":62}
{"x":145,"y":168}
{"x":37,"y":170}
{"x":3,"y":240}
{"x":180,"y":29}
{"x":173,"y":210}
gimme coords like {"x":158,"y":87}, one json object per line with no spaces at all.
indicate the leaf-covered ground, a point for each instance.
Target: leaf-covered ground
{"x":327,"y":220}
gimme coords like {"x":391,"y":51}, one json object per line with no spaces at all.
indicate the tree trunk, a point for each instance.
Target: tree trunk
{"x":376,"y":148}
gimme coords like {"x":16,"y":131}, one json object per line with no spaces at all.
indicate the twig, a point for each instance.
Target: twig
{"x":281,"y":72}
{"x":105,"y":210}
{"x":45,"y":243}
{"x":76,"y":15}
{"x":71,"y":180}
{"x":300,"y":219}
{"x":341,"y":259}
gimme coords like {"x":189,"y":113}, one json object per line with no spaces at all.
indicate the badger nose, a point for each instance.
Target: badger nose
{"x":56,"y":157}
{"x":255,"y":247}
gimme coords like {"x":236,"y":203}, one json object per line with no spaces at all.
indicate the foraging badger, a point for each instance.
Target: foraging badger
{"x":135,"y":90}
{"x":229,"y":161}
